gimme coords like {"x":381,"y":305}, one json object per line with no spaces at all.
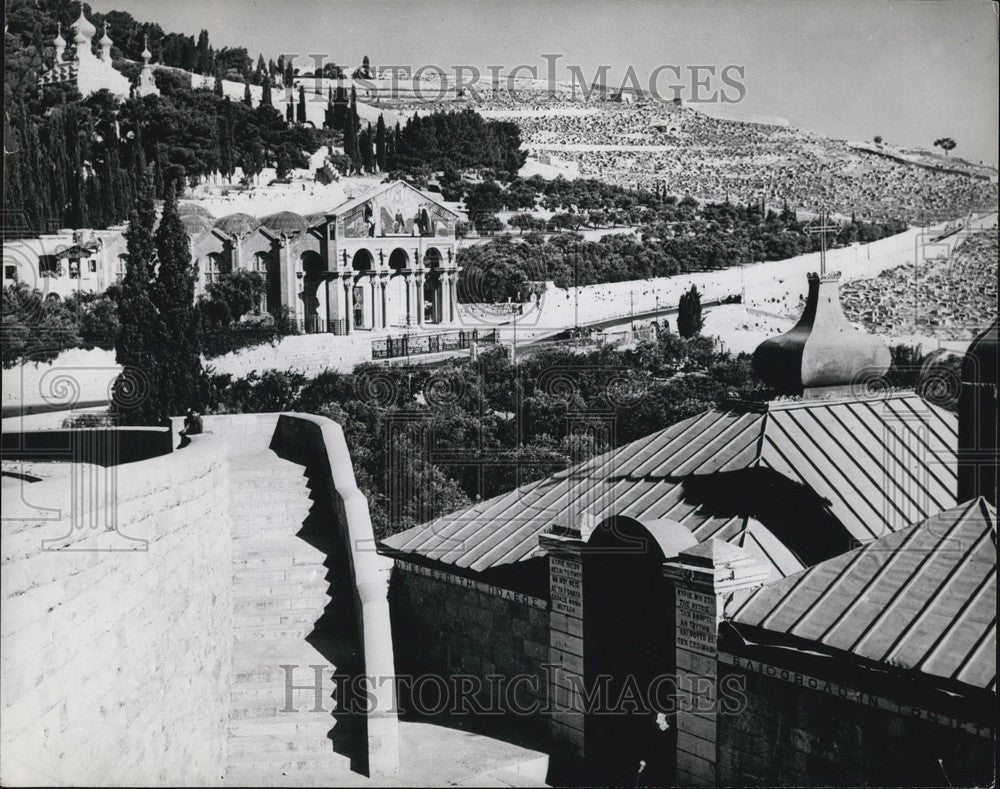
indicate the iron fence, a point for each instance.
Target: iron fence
{"x":417,"y":344}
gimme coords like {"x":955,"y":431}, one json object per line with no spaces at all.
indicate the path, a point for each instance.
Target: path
{"x":292,"y":605}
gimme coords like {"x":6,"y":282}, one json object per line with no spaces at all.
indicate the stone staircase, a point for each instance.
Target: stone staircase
{"x":292,"y":606}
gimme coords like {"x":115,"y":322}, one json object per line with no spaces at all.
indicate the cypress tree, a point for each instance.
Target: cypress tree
{"x":179,"y":380}
{"x":265,"y":97}
{"x":136,"y":347}
{"x":247,"y":98}
{"x":380,"y":143}
{"x":328,"y":114}
{"x":340,"y":109}
{"x":218,"y":82}
{"x":689,"y":317}
{"x":351,"y":148}
{"x":367,"y":154}
{"x":300,"y":110}
{"x":354,"y":110}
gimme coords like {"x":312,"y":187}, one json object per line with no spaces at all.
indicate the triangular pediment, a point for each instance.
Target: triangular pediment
{"x":396,"y":208}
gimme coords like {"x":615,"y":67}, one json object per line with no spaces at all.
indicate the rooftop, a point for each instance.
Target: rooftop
{"x":922,"y":599}
{"x":795,"y":484}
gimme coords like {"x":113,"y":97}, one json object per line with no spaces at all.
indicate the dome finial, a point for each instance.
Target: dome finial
{"x":823,"y":354}
{"x":85,"y":30}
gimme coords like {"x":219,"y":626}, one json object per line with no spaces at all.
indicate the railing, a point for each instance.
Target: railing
{"x":316,"y":325}
{"x":417,"y":344}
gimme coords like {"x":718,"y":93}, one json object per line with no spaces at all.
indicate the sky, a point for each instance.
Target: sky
{"x":910,"y":71}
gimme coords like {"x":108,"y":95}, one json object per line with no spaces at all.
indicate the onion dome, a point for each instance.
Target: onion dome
{"x":287,"y":222}
{"x":59,"y":41}
{"x":106,"y":39}
{"x":823,"y":354}
{"x":237,"y":224}
{"x":84,"y":29}
{"x":146,"y":54}
{"x":189,"y":209}
{"x":196,"y":224}
{"x":977,"y":419}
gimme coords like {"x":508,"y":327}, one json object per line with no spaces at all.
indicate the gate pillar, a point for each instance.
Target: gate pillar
{"x":566,"y":677}
{"x":703,"y":576}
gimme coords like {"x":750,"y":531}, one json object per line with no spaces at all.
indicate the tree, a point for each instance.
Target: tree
{"x":367,"y":151}
{"x":689,"y":317}
{"x":300,"y":110}
{"x":380,"y":143}
{"x":265,"y":96}
{"x":217,"y":89}
{"x":204,"y":60}
{"x":138,"y":338}
{"x":247,"y":97}
{"x":946,"y":144}
{"x":179,"y":379}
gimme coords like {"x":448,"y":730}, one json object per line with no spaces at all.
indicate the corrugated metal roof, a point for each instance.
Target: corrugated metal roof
{"x":878,"y":465}
{"x":922,"y":599}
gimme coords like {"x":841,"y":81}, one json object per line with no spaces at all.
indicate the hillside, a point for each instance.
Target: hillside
{"x":712,"y":158}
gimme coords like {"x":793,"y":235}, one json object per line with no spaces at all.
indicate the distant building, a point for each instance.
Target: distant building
{"x":88,"y":72}
{"x":385,"y":259}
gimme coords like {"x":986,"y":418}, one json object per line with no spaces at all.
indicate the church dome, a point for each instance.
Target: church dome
{"x":237,"y":224}
{"x":823,"y":353}
{"x":287,"y":222}
{"x":190,"y":209}
{"x":196,"y":224}
{"x":84,"y":29}
{"x":59,"y":41}
{"x":105,"y":39}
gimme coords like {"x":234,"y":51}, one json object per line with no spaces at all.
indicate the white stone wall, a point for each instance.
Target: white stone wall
{"x":116,"y":662}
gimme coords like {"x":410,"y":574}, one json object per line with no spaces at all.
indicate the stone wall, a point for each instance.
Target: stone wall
{"x":319,"y":443}
{"x":117,"y":641}
{"x":792,"y":735}
{"x":310,"y":354}
{"x":447,"y":629}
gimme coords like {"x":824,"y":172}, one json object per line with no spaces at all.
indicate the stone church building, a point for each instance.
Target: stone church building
{"x":385,"y":259}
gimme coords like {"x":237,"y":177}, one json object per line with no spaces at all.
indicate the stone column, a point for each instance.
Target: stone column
{"x":566,"y":677}
{"x":420,"y":299}
{"x":703,"y":576}
{"x":376,"y":302}
{"x":452,"y":306}
{"x":383,"y":284}
{"x":349,"y":302}
{"x":409,"y":298}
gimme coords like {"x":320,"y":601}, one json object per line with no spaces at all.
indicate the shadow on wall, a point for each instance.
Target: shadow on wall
{"x":106,"y":446}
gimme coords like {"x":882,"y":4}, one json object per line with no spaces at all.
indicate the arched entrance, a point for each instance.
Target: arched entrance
{"x":362,"y":294}
{"x":433,"y":300}
{"x":397,"y":294}
{"x":314,"y":301}
{"x":264,"y":264}
{"x":629,"y":649}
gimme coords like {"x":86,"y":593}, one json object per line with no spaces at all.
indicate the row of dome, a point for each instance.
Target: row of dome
{"x":197,"y":218}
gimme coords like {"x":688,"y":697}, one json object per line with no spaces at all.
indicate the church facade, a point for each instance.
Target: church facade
{"x":383,"y":260}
